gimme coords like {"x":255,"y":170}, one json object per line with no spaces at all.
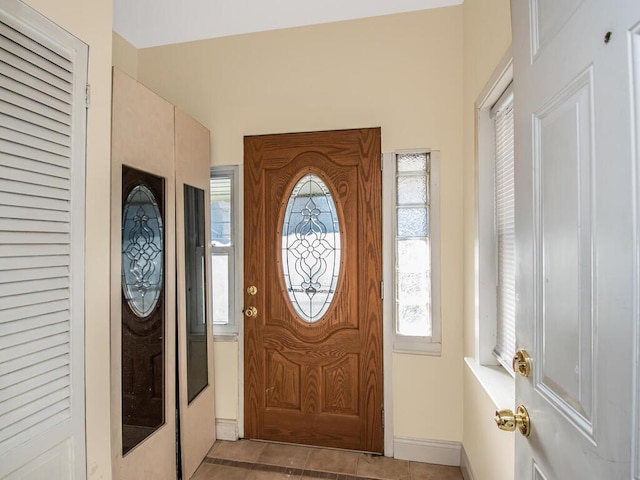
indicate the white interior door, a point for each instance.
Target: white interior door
{"x":575,"y":235}
{"x":195,"y":336}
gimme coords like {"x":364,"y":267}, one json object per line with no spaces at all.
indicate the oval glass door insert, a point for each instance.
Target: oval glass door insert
{"x":311,"y":248}
{"x":142,"y":251}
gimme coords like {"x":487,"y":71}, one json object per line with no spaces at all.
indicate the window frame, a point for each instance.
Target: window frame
{"x":231,"y":329}
{"x":426,"y":345}
{"x":486,"y":246}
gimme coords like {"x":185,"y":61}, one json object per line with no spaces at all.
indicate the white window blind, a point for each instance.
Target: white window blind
{"x":505,"y":229}
{"x":42,"y":138}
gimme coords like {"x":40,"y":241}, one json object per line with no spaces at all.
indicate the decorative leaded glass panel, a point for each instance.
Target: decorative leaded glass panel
{"x":142,"y":251}
{"x":143,"y":301}
{"x":311,"y":248}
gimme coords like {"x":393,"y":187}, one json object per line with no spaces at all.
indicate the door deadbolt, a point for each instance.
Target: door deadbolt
{"x":252,"y":290}
{"x":251,"y":312}
{"x":522,"y":363}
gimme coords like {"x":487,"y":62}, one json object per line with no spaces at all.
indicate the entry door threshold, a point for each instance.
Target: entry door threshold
{"x":373,"y":454}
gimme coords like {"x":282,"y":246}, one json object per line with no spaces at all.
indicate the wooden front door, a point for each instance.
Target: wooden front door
{"x":313,"y":344}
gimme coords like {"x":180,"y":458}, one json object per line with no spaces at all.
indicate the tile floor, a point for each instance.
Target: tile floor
{"x":250,"y":460}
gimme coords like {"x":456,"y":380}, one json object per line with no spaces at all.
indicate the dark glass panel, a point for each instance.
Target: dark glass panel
{"x":194,"y":255}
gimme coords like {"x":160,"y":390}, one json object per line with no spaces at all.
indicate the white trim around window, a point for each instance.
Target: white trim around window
{"x":414,"y":344}
{"x":232,"y":252}
{"x":486,"y":268}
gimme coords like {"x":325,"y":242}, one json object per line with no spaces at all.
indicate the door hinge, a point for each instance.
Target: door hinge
{"x":87,"y":96}
{"x":382,"y":290}
{"x":382,"y":161}
{"x":382,"y":417}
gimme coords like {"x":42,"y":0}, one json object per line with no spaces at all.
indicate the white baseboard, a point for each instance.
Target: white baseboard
{"x":227,"y":429}
{"x":438,"y":452}
{"x":465,"y":466}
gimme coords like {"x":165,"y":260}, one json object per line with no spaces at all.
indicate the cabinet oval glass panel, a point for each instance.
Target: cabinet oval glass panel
{"x":142,"y":251}
{"x":311,"y":248}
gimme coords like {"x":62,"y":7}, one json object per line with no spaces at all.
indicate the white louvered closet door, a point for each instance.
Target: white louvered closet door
{"x":42,"y":169}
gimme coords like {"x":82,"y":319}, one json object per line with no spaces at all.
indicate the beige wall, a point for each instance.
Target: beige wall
{"x":91,"y":21}
{"x":402,"y":73}
{"x":125,"y":56}
{"x":487,"y":36}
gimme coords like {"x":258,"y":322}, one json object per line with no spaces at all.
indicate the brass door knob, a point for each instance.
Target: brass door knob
{"x":251,"y":312}
{"x":509,"y":421}
{"x":522,"y":363}
{"x":252,"y":290}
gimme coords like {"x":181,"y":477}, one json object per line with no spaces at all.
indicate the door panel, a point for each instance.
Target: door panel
{"x":309,"y":380}
{"x":142,"y":140}
{"x":574,"y":236}
{"x":195,"y":338}
{"x":563,"y":175}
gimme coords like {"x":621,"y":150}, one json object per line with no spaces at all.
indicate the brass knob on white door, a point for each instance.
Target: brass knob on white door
{"x":509,"y":421}
{"x":251,"y":312}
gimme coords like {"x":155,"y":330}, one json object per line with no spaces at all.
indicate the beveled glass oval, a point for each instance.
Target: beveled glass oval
{"x":142,"y":251}
{"x":311,"y":248}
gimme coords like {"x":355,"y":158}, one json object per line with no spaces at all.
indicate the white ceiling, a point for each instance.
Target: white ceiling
{"x":150,"y":23}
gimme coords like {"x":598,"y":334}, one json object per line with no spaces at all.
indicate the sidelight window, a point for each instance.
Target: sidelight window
{"x":412,"y":235}
{"x":224,"y":217}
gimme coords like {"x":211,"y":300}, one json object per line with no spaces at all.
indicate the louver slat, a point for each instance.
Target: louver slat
{"x":15,"y":111}
{"x":39,"y":262}
{"x":21,"y":275}
{"x":37,"y":48}
{"x":29,"y":152}
{"x":33,"y":414}
{"x":35,"y":214}
{"x":34,"y":130}
{"x":41,"y":63}
{"x":25,"y":188}
{"x":27,"y":91}
{"x":27,"y":366}
{"x":35,"y":177}
{"x":28,"y":201}
{"x":36,"y":321}
{"x":34,"y":142}
{"x":33,"y":106}
{"x":33,"y":382}
{"x":37,"y":84}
